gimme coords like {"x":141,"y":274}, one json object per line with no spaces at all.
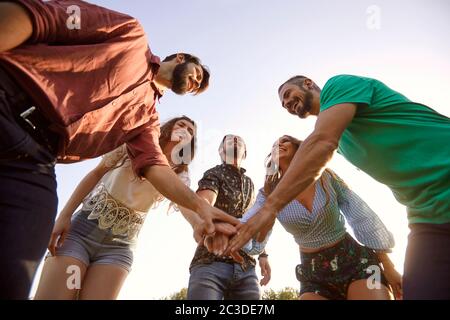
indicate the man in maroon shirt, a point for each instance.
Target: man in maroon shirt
{"x":77,"y":81}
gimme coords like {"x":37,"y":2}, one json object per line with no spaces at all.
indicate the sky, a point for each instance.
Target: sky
{"x":251,"y":47}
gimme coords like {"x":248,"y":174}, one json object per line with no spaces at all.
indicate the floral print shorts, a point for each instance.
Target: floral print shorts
{"x":330,"y":272}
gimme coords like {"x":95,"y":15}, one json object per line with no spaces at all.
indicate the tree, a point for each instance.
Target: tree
{"x":180,"y":295}
{"x":287,"y":293}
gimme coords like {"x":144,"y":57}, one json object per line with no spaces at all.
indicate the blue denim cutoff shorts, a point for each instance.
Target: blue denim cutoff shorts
{"x":92,"y":245}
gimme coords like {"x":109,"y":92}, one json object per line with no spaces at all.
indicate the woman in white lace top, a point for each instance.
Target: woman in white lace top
{"x":91,"y":250}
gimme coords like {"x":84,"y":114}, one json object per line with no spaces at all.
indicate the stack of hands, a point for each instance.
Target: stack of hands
{"x":220,"y":241}
{"x":227,"y":238}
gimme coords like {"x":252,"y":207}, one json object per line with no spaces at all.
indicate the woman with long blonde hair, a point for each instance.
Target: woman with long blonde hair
{"x":333,"y":265}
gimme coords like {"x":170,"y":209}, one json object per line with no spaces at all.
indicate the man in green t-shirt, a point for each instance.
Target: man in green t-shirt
{"x":402,"y":144}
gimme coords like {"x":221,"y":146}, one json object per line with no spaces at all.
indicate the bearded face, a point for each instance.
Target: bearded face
{"x":296,"y":100}
{"x":186,"y":78}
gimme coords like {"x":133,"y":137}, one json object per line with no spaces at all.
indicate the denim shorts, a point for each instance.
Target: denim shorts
{"x":92,"y":245}
{"x":222,"y":280}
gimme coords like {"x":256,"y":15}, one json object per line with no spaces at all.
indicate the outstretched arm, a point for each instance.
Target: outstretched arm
{"x":194,"y":219}
{"x":15,"y":25}
{"x":306,"y":166}
{"x":170,"y":186}
{"x":63,"y":22}
{"x":198,"y":225}
{"x":312,"y":156}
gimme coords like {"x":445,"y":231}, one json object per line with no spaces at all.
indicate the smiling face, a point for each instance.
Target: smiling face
{"x":278,"y":160}
{"x":178,"y":141}
{"x":183,"y":131}
{"x":283,"y":150}
{"x":296,"y":100}
{"x":187,"y":78}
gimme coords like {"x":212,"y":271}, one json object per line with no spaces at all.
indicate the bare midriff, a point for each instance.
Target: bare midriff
{"x":314,"y":250}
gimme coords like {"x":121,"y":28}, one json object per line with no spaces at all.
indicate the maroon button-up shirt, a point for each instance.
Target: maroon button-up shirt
{"x":93,"y":83}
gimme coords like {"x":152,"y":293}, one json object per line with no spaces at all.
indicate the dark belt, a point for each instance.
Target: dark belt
{"x":27,"y":114}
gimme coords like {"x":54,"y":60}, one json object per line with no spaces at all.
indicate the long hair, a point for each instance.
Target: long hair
{"x":165,"y":137}
{"x":274,"y":173}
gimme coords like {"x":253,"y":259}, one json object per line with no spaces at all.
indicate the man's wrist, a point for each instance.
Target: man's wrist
{"x":201,"y":205}
{"x":263,"y":255}
{"x":270,"y":206}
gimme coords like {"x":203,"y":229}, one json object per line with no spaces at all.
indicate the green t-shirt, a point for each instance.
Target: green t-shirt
{"x":402,"y":144}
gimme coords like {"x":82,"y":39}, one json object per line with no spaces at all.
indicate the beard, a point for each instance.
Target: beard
{"x":179,"y":79}
{"x":307,"y":105}
{"x":233,"y":155}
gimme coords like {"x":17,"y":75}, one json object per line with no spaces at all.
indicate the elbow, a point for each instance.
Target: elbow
{"x":325,"y":142}
{"x":386,"y":242}
{"x":391,"y":240}
{"x":16,"y":26}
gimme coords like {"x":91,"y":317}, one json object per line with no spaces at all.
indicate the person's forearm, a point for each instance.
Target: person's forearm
{"x":306,"y":166}
{"x":170,"y":186}
{"x":15,"y":25}
{"x":193,"y":218}
{"x":82,"y":190}
{"x":190,"y":216}
{"x":385,"y":260}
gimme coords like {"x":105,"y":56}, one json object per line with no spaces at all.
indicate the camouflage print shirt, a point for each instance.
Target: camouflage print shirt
{"x":235,"y":195}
